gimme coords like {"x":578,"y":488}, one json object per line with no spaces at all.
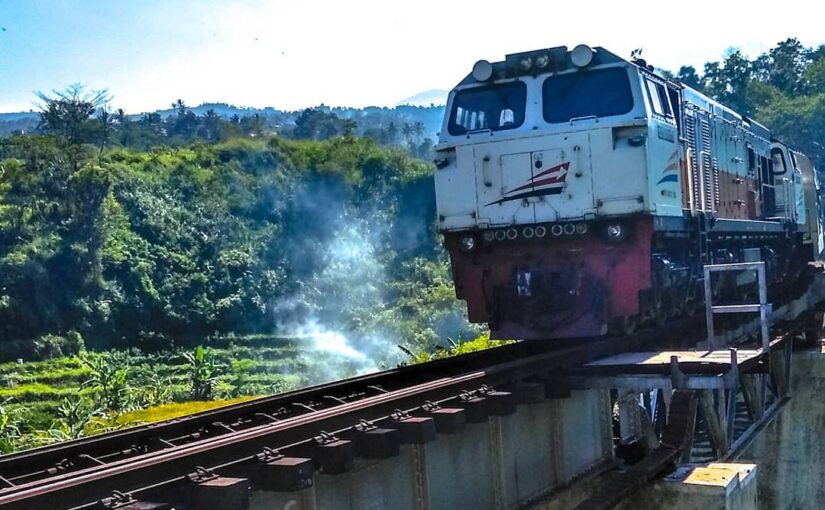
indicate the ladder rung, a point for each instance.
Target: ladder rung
{"x":736,"y":308}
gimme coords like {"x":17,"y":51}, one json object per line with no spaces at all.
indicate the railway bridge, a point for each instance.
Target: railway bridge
{"x":669,"y":417}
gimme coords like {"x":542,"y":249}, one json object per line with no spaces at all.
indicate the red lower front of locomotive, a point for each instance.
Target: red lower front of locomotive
{"x":555,"y":286}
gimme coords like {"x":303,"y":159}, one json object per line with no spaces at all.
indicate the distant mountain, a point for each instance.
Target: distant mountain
{"x":7,"y":117}
{"x":414,"y":109}
{"x":17,"y":122}
{"x":434,"y":97}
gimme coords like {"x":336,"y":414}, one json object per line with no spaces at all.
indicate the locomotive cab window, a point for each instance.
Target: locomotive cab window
{"x":751,"y":160}
{"x":496,"y":108}
{"x":659,"y":99}
{"x":793,"y":160}
{"x":589,"y":93}
{"x":778,"y":159}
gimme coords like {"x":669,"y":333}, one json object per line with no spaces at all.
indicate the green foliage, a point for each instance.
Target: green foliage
{"x":107,"y":378}
{"x":203,"y":373}
{"x":9,"y":429}
{"x":75,"y":416}
{"x":480,"y":343}
{"x":783,"y":89}
{"x":141,"y":247}
{"x":316,"y":124}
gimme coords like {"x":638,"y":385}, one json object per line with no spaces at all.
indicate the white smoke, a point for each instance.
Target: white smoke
{"x":334,"y":313}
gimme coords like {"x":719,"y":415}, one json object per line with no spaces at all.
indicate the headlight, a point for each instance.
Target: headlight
{"x":616,"y":232}
{"x":467,"y":243}
{"x":482,"y":70}
{"x":581,"y":56}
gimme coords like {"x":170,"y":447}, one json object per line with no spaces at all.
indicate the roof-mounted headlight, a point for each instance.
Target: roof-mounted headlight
{"x":542,"y":61}
{"x":525,"y":63}
{"x":581,"y":56}
{"x":482,"y":70}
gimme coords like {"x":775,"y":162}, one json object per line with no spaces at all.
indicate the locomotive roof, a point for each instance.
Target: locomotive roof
{"x":559,"y":60}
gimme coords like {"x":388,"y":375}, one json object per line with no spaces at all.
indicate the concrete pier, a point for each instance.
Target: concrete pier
{"x":790,"y":451}
{"x":715,"y":486}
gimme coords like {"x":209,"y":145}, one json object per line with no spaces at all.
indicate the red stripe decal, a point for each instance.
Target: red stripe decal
{"x":565,"y":165}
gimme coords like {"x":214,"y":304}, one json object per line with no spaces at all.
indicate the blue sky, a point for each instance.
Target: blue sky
{"x":293,"y":54}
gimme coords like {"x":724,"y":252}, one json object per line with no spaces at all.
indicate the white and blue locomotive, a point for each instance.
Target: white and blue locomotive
{"x":578,"y":191}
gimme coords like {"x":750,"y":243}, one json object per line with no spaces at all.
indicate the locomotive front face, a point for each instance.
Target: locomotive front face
{"x":549,"y":147}
{"x":540,"y":182}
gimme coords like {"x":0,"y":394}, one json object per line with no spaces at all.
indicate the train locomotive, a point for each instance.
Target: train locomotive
{"x":580,"y":193}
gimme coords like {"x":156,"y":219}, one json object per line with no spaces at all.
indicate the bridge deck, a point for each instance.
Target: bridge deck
{"x":698,"y":362}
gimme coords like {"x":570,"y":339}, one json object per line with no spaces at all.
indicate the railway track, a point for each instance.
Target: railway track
{"x":155,"y":458}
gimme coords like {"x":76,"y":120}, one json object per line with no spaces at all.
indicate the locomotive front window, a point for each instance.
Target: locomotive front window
{"x":596,"y":93}
{"x":496,"y":108}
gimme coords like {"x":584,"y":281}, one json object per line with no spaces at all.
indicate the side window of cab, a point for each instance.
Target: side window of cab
{"x":778,"y":160}
{"x":659,"y":99}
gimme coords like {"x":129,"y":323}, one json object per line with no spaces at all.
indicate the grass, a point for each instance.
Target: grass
{"x":479,"y":344}
{"x":175,"y":410}
{"x":259,"y":365}
{"x":251,"y":366}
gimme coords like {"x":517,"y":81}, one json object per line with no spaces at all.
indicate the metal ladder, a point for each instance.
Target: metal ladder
{"x":763,"y":307}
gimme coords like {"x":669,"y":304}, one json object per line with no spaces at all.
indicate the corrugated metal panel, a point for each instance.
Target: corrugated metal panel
{"x":707,"y":167}
{"x":690,"y":137}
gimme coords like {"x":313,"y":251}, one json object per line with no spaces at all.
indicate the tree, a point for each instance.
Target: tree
{"x":66,"y":112}
{"x":211,"y":125}
{"x":317,"y":124}
{"x":783,"y":66}
{"x":66,"y":115}
{"x":729,"y":82}
{"x":392,"y":134}
{"x":688,"y":76}
{"x":107,"y":121}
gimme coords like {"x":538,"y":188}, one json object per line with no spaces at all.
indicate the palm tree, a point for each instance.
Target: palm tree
{"x":407,"y":131}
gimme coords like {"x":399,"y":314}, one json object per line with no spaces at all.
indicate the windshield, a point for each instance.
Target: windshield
{"x":599,"y":93}
{"x":495,"y":108}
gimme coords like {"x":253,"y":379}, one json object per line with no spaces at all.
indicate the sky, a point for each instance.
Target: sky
{"x":293,"y":54}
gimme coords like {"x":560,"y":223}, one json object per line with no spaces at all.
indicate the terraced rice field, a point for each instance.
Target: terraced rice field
{"x":32,"y":391}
